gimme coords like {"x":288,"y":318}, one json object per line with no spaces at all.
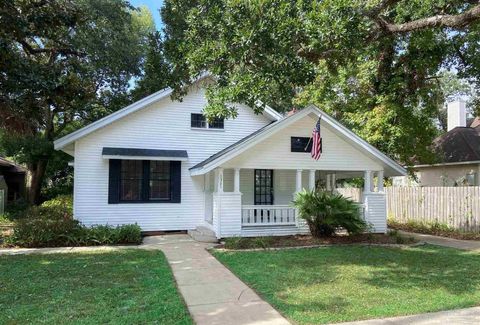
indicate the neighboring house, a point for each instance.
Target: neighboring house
{"x":160,"y":164}
{"x":14,"y":177}
{"x":458,"y":154}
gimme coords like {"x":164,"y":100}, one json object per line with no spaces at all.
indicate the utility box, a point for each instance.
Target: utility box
{"x":3,"y":194}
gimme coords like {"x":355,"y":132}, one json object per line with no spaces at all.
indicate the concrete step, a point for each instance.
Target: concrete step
{"x":198,"y":236}
{"x":205,"y":231}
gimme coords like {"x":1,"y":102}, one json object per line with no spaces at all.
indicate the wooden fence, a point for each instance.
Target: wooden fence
{"x":351,"y":192}
{"x":458,"y":207}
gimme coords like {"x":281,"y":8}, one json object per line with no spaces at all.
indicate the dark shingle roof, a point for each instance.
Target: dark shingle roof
{"x":144,"y":152}
{"x":460,"y":144}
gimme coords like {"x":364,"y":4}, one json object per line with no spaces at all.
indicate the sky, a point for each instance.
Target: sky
{"x":154,"y":6}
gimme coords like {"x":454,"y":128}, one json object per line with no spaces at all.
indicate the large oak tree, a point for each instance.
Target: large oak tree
{"x":377,"y":65}
{"x":63,"y":63}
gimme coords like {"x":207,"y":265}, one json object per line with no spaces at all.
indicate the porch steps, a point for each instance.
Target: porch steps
{"x":203,"y":234}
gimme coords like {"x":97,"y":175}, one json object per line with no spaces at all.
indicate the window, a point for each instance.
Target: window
{"x":199,"y":121}
{"x":263,"y":187}
{"x":301,"y":144}
{"x":137,"y":181}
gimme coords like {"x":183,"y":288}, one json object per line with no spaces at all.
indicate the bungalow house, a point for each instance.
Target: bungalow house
{"x":160,"y":164}
{"x":457,"y":152}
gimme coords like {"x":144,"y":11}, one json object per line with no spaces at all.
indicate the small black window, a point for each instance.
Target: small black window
{"x":133,"y":181}
{"x":301,"y":144}
{"x":199,"y":121}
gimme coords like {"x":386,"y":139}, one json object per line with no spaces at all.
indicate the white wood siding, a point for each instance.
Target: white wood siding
{"x":376,"y":211}
{"x":163,"y":125}
{"x":274,"y":152}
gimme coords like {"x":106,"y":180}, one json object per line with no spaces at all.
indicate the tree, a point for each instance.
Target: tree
{"x":373,"y":64}
{"x":61,"y":61}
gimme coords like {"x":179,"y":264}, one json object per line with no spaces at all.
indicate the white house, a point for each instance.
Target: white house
{"x":159,"y":164}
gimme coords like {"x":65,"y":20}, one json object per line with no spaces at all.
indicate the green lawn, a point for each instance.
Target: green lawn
{"x":122,"y":287}
{"x":334,"y":284}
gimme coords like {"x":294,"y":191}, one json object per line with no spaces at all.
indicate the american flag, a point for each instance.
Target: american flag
{"x":317,"y":141}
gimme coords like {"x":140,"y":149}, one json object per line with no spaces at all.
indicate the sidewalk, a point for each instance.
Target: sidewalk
{"x":471,"y":245}
{"x":212,"y":293}
{"x":467,"y":316}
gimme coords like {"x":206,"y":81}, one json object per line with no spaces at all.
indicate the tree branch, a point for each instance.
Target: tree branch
{"x":454,"y":21}
{"x":33,"y":51}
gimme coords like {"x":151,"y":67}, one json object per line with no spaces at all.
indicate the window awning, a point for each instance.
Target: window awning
{"x":144,"y":154}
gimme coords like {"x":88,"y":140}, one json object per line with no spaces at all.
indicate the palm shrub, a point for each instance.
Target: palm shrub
{"x":325,"y":211}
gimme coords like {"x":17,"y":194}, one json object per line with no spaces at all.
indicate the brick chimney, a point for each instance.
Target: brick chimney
{"x":457,"y":115}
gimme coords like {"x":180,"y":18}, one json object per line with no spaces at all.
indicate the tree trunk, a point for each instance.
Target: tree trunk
{"x":37,"y":173}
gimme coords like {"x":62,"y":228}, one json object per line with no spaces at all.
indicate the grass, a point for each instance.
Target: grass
{"x":120,"y":287}
{"x":335,"y":284}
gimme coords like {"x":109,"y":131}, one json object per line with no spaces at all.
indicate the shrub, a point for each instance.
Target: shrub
{"x":325,"y":211}
{"x":52,"y":225}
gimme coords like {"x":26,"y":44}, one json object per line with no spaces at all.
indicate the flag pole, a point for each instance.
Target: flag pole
{"x":310,"y":140}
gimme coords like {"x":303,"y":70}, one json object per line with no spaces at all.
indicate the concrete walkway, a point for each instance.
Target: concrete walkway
{"x":467,"y":316}
{"x":212,"y":293}
{"x":471,"y":245}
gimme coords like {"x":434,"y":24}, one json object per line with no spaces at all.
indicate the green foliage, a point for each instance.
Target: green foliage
{"x":52,"y":224}
{"x":432,"y":228}
{"x":389,"y":87}
{"x":64,"y":63}
{"x":325,"y":212}
{"x":248,"y":243}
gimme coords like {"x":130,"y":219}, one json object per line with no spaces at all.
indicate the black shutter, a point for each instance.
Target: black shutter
{"x":176,"y":181}
{"x":114,"y":181}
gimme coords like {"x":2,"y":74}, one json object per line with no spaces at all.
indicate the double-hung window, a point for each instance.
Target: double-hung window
{"x":142,"y":181}
{"x":199,"y":121}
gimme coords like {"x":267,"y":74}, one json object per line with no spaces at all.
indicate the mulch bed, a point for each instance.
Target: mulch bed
{"x":307,"y":240}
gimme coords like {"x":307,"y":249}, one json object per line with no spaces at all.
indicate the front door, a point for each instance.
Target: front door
{"x":263,"y":187}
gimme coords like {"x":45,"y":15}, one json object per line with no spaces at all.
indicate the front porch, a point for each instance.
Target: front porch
{"x":257,"y":202}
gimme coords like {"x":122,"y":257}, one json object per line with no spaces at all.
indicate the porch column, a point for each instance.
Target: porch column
{"x":329,"y":183}
{"x":219,"y":180}
{"x":380,"y":181}
{"x":312,"y":179}
{"x":236,"y":180}
{"x":298,"y":187}
{"x":333,"y":179}
{"x":367,"y":188}
{"x":207,"y":182}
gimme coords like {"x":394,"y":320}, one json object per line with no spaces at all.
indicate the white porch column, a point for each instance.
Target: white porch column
{"x":334,"y":181}
{"x":367,"y":188}
{"x":207,"y":182}
{"x":298,"y":187}
{"x":380,"y":181}
{"x":329,"y":182}
{"x":219,"y":180}
{"x":236,"y":180}
{"x":311,"y":179}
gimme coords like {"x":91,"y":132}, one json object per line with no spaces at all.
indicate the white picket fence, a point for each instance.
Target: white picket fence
{"x":351,"y":192}
{"x":458,"y":207}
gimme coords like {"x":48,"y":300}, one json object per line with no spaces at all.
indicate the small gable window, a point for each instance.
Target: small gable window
{"x":142,"y":181}
{"x":301,"y":144}
{"x":200,"y":122}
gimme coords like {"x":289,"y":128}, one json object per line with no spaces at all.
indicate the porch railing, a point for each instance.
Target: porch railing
{"x":268,"y":215}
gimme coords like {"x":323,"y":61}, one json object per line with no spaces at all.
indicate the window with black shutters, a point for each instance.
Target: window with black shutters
{"x":159,"y":180}
{"x":199,"y":121}
{"x":142,"y":181}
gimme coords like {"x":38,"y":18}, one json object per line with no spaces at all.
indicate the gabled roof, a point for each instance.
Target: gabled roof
{"x":141,"y":104}
{"x":237,"y":148}
{"x":12,"y":167}
{"x":460,"y":144}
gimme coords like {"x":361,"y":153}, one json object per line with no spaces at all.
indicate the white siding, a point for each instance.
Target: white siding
{"x":376,"y":211}
{"x":274,"y":152}
{"x":163,"y":125}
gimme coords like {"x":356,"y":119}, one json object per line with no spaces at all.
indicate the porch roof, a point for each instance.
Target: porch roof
{"x":230,"y":152}
{"x":141,"y":153}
